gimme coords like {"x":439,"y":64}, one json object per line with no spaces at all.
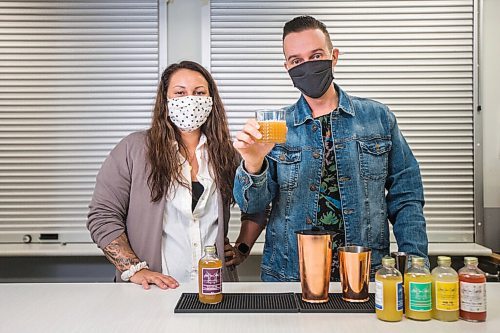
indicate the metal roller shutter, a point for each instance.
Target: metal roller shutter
{"x":75,"y":78}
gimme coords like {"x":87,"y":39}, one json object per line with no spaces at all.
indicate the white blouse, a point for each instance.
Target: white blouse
{"x":186,"y":232}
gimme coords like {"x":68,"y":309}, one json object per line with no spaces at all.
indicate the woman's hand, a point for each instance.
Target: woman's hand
{"x":145,"y":277}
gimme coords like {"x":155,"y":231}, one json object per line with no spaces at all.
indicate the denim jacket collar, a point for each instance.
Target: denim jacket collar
{"x":302,"y":111}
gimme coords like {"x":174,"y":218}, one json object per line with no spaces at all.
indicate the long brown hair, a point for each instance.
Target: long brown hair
{"x":165,"y":170}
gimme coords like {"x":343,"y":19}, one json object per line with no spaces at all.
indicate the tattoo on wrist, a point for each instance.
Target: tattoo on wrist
{"x":119,"y":253}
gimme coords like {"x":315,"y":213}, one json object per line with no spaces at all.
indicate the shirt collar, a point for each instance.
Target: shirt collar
{"x":203,"y":141}
{"x":302,"y":112}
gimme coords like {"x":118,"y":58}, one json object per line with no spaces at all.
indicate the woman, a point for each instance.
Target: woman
{"x":164,"y":193}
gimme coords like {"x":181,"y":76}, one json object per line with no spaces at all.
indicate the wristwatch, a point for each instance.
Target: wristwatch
{"x":243,"y":248}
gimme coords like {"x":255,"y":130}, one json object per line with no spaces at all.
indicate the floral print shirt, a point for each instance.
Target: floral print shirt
{"x":329,"y":215}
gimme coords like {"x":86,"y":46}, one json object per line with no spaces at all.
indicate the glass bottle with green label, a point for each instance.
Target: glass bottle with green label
{"x":418,"y":294}
{"x":445,"y":291}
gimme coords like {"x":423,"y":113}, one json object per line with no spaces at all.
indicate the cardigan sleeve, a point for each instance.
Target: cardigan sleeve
{"x":109,"y":205}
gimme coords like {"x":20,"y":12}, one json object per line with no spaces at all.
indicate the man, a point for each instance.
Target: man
{"x":345,"y":167}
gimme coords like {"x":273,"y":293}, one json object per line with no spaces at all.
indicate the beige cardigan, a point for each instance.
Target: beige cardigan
{"x":122,"y":203}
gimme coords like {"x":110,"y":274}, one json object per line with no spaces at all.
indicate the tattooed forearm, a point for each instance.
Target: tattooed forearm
{"x":120,"y":254}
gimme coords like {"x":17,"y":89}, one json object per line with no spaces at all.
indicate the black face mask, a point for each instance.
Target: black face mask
{"x":312,"y":78}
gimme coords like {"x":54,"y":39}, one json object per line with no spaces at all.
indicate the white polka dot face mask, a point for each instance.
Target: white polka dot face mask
{"x":189,"y":112}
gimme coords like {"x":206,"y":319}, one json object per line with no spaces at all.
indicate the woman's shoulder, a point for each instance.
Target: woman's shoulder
{"x":134,"y":138}
{"x":131,"y":144}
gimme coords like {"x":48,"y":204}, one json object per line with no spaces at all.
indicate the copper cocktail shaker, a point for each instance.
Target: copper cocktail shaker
{"x":315,"y":260}
{"x":355,"y":272}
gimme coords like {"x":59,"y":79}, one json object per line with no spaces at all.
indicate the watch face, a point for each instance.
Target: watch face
{"x":243,"y":248}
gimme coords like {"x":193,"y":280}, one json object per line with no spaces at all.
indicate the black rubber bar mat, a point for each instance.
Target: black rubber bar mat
{"x":337,"y":304}
{"x":239,"y":303}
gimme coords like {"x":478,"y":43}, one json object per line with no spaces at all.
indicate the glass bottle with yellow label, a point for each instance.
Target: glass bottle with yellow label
{"x":389,"y":291}
{"x":418,"y":295}
{"x":445,"y":291}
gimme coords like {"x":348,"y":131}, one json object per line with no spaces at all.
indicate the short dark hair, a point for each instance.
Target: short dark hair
{"x":301,"y":23}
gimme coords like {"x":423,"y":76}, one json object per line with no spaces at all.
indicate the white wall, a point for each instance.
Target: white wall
{"x":490,"y":101}
{"x":184,"y":30}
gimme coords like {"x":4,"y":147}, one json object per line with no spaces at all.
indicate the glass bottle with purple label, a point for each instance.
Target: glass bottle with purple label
{"x":210,"y":277}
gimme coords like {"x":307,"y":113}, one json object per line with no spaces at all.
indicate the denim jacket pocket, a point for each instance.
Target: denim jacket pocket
{"x":287,"y":164}
{"x":373,"y":158}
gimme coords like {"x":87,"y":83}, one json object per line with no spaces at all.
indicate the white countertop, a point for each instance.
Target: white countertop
{"x":90,"y":249}
{"x":127,"y":308}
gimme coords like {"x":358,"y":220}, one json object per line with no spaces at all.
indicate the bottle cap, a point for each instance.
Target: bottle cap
{"x":470,"y":261}
{"x":210,"y":249}
{"x":417,"y":260}
{"x":388,"y":261}
{"x":444,"y":260}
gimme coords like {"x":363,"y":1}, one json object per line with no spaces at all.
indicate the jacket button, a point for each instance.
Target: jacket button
{"x":282,"y":157}
{"x":314,"y":128}
{"x":308,"y":220}
{"x":316,"y":154}
{"x":313,"y":188}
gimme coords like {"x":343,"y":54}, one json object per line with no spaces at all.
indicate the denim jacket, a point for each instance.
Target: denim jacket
{"x":378,"y":177}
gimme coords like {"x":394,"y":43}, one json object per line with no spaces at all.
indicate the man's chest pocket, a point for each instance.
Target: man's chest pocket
{"x":374,"y":158}
{"x":287,"y":165}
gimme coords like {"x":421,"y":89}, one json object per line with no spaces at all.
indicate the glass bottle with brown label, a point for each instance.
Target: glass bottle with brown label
{"x":210,"y":277}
